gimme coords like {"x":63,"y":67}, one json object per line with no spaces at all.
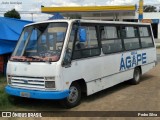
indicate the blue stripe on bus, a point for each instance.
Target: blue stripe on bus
{"x":37,"y":94}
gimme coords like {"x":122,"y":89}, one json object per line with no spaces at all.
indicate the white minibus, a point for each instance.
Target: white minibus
{"x":61,"y":59}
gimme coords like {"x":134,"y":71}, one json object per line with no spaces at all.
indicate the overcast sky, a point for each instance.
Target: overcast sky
{"x":35,"y":5}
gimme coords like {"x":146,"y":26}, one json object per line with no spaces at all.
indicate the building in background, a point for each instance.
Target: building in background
{"x":94,"y":12}
{"x":116,"y":13}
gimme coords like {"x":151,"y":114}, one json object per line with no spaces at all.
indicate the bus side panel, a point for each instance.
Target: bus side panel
{"x":151,"y":60}
{"x":148,"y":67}
{"x":87,"y":69}
{"x":106,"y":82}
{"x":115,"y":68}
{"x":105,"y":71}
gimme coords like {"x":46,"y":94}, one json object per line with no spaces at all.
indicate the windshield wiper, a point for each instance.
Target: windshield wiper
{"x":34,"y":58}
{"x":19,"y":60}
{"x":16,"y":59}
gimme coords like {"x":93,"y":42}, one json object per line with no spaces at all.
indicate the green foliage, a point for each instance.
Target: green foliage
{"x":158,"y":46}
{"x":149,"y":8}
{"x":4,"y":102}
{"x":12,"y":14}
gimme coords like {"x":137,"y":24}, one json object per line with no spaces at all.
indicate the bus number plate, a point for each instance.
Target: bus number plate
{"x":25,"y":94}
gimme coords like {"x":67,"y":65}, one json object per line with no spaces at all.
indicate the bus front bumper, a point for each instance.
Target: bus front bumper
{"x":37,"y":94}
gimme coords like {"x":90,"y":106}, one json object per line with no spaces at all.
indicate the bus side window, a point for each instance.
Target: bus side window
{"x":145,"y":35}
{"x":88,"y":48}
{"x":131,"y":40}
{"x":110,"y":39}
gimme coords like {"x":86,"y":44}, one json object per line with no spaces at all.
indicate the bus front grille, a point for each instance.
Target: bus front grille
{"x":37,"y":83}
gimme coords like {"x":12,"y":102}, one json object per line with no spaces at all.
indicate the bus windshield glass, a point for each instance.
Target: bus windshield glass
{"x":41,"y":42}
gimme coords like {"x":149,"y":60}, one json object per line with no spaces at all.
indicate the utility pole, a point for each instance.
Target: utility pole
{"x":140,"y":10}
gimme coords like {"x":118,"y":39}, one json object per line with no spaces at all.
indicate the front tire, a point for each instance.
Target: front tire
{"x":136,"y":76}
{"x":74,"y":97}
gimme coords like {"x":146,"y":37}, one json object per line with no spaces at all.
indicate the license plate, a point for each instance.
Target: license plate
{"x":25,"y":94}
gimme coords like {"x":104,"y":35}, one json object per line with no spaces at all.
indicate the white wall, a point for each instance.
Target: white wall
{"x":152,"y":15}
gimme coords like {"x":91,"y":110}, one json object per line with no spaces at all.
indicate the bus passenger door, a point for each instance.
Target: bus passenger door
{"x":84,"y":57}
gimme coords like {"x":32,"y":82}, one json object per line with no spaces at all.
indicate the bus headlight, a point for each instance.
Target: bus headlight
{"x":9,"y":79}
{"x":50,"y":78}
{"x":49,"y":84}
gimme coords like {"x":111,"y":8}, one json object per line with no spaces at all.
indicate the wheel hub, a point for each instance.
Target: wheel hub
{"x":73,"y":95}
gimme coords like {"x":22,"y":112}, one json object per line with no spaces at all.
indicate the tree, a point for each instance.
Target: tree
{"x":12,"y":14}
{"x":149,"y":8}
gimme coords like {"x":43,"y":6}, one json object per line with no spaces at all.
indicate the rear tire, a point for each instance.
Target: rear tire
{"x":74,"y":97}
{"x":136,"y":76}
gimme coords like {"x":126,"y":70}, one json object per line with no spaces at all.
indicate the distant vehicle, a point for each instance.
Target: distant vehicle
{"x":60,"y":59}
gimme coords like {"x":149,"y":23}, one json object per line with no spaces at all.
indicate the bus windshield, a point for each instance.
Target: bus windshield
{"x":41,"y":42}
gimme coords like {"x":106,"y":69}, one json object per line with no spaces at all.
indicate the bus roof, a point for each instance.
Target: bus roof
{"x":89,"y":21}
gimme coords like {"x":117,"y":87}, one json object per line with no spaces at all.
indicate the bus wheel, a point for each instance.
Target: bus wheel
{"x":74,"y":97}
{"x":136,"y":76}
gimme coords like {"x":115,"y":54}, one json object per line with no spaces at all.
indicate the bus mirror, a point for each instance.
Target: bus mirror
{"x":82,"y":34}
